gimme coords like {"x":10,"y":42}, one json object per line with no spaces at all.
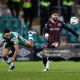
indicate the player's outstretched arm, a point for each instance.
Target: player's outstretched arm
{"x":72,"y":31}
{"x":45,"y":31}
{"x":15,"y":53}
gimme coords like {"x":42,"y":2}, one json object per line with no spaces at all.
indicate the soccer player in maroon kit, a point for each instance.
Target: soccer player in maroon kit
{"x":52,"y":33}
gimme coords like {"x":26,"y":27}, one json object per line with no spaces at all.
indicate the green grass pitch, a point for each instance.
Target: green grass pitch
{"x":33,"y":71}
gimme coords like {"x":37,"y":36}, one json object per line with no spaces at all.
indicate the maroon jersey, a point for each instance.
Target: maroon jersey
{"x":54,"y":30}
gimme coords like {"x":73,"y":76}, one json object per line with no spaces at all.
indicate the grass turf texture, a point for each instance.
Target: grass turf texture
{"x":33,"y":71}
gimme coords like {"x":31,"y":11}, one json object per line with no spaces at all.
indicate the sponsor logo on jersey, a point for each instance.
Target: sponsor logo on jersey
{"x":59,"y":24}
{"x":55,"y":29}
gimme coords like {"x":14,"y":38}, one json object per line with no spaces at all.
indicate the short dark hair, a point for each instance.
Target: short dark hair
{"x":54,"y":11}
{"x":6,"y":31}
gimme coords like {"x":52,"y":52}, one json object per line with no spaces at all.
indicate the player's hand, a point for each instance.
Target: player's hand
{"x":47,"y":36}
{"x":12,"y":58}
{"x":55,"y":44}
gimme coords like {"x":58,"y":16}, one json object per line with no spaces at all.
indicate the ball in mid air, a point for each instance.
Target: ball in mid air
{"x":74,"y":20}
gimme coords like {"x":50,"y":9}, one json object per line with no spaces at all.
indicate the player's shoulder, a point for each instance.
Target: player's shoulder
{"x":48,"y":23}
{"x":14,"y":34}
{"x":59,"y":21}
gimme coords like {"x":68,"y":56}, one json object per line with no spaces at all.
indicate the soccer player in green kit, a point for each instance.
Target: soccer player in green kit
{"x":13,"y":40}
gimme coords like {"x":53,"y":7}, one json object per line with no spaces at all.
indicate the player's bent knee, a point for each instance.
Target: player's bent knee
{"x":4,"y":54}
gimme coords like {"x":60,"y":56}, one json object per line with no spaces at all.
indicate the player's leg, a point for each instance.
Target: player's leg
{"x":12,"y":52}
{"x":46,"y":63}
{"x":10,"y":5}
{"x":26,"y":43}
{"x":45,"y":58}
{"x":17,"y":8}
{"x":30,"y":42}
{"x":7,"y":59}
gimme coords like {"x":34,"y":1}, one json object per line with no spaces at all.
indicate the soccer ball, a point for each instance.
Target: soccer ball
{"x":74,"y":20}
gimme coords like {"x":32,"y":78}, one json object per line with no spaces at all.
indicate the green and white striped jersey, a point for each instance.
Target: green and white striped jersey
{"x":16,"y":39}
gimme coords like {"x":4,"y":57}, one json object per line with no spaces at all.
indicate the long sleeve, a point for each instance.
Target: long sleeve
{"x":46,"y":29}
{"x":70,"y":30}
